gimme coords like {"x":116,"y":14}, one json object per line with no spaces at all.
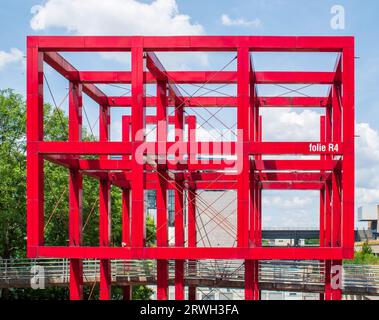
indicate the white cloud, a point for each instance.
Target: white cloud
{"x":121,"y":17}
{"x":13,"y":56}
{"x":365,"y":196}
{"x":227,"y":21}
{"x":367,"y":145}
{"x":367,"y":165}
{"x":290,"y":125}
{"x":114,"y":17}
{"x":287,"y":202}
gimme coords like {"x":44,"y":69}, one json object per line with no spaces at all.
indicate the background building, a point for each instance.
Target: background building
{"x":370,"y":214}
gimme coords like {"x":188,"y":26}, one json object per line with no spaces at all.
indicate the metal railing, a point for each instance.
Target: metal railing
{"x":356,"y":278}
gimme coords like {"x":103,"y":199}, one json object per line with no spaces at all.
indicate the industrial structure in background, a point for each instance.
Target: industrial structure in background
{"x":193,"y":167}
{"x":370,"y":214}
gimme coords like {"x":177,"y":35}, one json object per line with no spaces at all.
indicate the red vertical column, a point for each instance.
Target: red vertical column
{"x":328,"y":221}
{"x":192,"y":147}
{"x":243,"y":183}
{"x":328,"y":209}
{"x":191,"y":207}
{"x":161,"y":195}
{"x":162,"y":239}
{"x":104,"y":210}
{"x":179,"y":206}
{"x":336,"y":184}
{"x":138,"y":138}
{"x":322,"y":191}
{"x":34,"y":133}
{"x":252,"y":291}
{"x":75,"y":192}
{"x":348,"y":152}
{"x":322,"y":200}
{"x":125,"y":202}
{"x":179,"y":240}
{"x":251,"y":266}
{"x":328,"y":289}
{"x":258,"y":227}
{"x":322,"y":217}
{"x":328,"y":139}
{"x":192,"y":237}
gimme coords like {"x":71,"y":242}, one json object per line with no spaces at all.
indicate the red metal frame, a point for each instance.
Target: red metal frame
{"x":333,"y":174}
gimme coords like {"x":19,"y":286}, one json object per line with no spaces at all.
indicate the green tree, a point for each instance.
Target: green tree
{"x":143,"y":292}
{"x":13,"y":176}
{"x":13,"y":195}
{"x":364,"y":256}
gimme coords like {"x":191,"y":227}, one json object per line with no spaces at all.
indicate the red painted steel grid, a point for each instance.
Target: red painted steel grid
{"x":333,"y":174}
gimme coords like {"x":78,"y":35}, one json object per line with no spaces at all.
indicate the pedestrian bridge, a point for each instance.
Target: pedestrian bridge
{"x":296,"y":276}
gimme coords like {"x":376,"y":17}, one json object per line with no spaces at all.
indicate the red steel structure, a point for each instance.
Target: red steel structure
{"x":332,"y":174}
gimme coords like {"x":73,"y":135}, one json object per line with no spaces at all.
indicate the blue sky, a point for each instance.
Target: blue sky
{"x":254,"y":17}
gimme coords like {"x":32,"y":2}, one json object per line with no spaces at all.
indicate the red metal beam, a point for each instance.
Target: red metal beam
{"x":292,"y":176}
{"x":299,"y":165}
{"x":57,"y":62}
{"x":225,"y":148}
{"x":34,"y":161}
{"x":200,"y":77}
{"x":292,"y":185}
{"x":231,"y":102}
{"x":104,"y":208}
{"x":138,"y":138}
{"x":294,"y":102}
{"x":192,"y":43}
{"x":160,"y":74}
{"x":348,"y":99}
{"x":161,"y":191}
{"x":75,"y":192}
{"x":191,"y":253}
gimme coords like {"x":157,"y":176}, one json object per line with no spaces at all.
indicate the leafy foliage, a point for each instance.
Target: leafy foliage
{"x":13,"y":196}
{"x":365,"y":256}
{"x":12,"y":172}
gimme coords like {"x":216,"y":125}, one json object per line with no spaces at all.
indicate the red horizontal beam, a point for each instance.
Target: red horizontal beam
{"x":112,"y":164}
{"x":198,"y":180}
{"x":188,"y":101}
{"x":294,"y":102}
{"x":170,"y":119}
{"x":205,"y":148}
{"x":269,"y":165}
{"x":291,"y":148}
{"x":191,"y":253}
{"x":292,"y":176}
{"x":181,"y":176}
{"x":82,"y":148}
{"x":265,"y":177}
{"x":269,"y":102}
{"x":62,"y":66}
{"x":125,"y":148}
{"x":281,"y":165}
{"x":159,"y":73}
{"x":292,"y":185}
{"x":201,"y":77}
{"x":191,"y":43}
{"x":198,"y":185}
{"x":288,"y":77}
